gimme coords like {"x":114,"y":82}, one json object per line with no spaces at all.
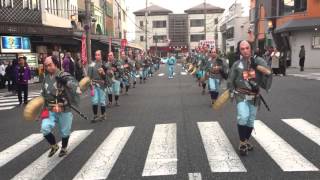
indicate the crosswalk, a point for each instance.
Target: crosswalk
{"x":11,"y":101}
{"x":162,"y":156}
{"x":310,"y":76}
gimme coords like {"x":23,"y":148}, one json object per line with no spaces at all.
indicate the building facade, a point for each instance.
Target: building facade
{"x":202,"y":21}
{"x":234,"y":27}
{"x":287,"y":25}
{"x":179,"y":33}
{"x":36,"y":29}
{"x":157,"y":28}
{"x":120,"y":19}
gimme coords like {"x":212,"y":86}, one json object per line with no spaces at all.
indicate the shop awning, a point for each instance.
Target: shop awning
{"x":296,"y":25}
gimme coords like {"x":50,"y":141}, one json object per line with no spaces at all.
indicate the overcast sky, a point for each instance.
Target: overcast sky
{"x":177,"y":6}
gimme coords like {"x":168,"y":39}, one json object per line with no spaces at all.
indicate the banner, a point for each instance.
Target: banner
{"x":84,"y":59}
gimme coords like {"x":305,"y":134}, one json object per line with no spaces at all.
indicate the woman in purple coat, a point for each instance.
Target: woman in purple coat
{"x":23,"y":75}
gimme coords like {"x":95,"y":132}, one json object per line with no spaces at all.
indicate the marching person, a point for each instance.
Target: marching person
{"x":202,"y":62}
{"x":216,"y":71}
{"x":98,"y":86}
{"x":133,"y":72}
{"x":126,"y":71}
{"x":117,"y":69}
{"x":138,"y":63}
{"x":59,"y":91}
{"x":247,"y":75}
{"x":23,"y":75}
{"x":171,"y":63}
{"x":145,"y":67}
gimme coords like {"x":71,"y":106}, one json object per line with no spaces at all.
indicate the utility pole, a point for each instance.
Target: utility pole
{"x":146,"y":26}
{"x":205,"y":19}
{"x":88,"y":29}
{"x":156,"y":39}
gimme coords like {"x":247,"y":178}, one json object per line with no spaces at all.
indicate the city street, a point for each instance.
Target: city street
{"x":165,"y":129}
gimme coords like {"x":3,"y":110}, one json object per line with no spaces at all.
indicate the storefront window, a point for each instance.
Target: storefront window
{"x":292,"y":6}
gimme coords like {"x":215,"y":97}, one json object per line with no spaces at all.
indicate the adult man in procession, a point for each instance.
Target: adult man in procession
{"x":216,"y":71}
{"x":60,"y":90}
{"x":202,"y":62}
{"x":98,"y":86}
{"x":133,"y":72}
{"x":117,"y":68}
{"x":171,"y":63}
{"x":247,"y":75}
{"x":126,"y":71}
{"x":145,"y":66}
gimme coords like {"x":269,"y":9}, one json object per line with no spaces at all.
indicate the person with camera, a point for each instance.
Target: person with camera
{"x":246,"y":77}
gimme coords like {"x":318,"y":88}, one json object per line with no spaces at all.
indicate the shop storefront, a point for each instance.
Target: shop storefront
{"x":13,"y":47}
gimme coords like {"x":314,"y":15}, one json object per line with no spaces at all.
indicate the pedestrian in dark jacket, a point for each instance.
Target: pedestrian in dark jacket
{"x":10,"y":75}
{"x":302,"y":56}
{"x":78,"y":70}
{"x":23,"y":75}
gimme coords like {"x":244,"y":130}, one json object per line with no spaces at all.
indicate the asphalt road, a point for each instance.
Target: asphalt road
{"x":165,"y":129}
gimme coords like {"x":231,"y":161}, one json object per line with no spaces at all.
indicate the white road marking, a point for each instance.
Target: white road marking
{"x":280,"y":151}
{"x":43,"y":165}
{"x":16,"y":97}
{"x":162,"y":154}
{"x":220,"y":153}
{"x":161,"y":74}
{"x":12,"y":100}
{"x":304,"y":127}
{"x":9,"y":104}
{"x":103,"y":159}
{"x":15,"y":150}
{"x":194,"y":176}
{"x":7,"y":107}
{"x":184,"y":73}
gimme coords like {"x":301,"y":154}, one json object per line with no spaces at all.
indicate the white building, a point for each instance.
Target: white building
{"x":234,"y":28}
{"x":200,"y":17}
{"x":58,"y":13}
{"x":179,"y":33}
{"x":157,"y":29}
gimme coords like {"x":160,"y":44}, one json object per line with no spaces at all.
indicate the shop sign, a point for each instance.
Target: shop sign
{"x":15,"y":44}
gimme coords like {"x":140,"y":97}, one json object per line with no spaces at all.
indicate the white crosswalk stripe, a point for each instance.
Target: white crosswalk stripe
{"x":43,"y":165}
{"x":162,"y":154}
{"x":220,"y":153}
{"x":10,"y":102}
{"x":311,"y":76}
{"x":194,"y":176}
{"x":304,"y":127}
{"x":101,"y":162}
{"x":18,"y":148}
{"x":280,"y":151}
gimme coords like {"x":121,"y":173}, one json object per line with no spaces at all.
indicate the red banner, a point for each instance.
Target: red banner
{"x":123,"y":43}
{"x":83,"y":50}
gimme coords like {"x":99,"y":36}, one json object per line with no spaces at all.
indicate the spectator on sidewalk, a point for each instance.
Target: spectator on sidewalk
{"x":10,"y":77}
{"x":78,"y":69}
{"x":68,"y":64}
{"x":283,"y":63}
{"x":302,"y":56}
{"x":275,"y":55}
{"x":23,"y":75}
{"x":2,"y":75}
